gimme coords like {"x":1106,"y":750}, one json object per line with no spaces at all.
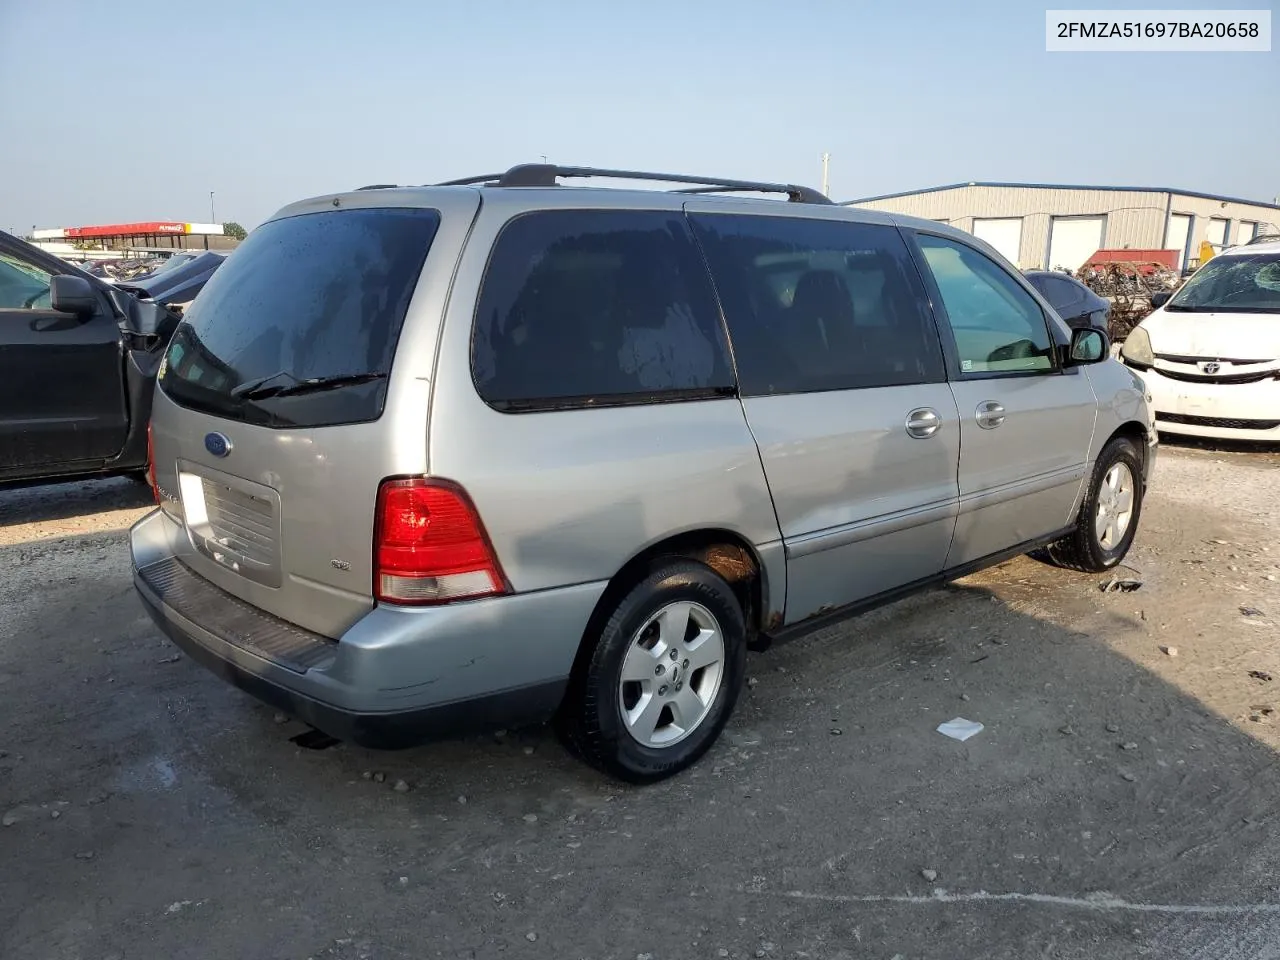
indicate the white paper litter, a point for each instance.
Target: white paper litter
{"x":960,"y":728}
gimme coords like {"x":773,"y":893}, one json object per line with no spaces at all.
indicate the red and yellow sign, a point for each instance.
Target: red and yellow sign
{"x":126,"y":229}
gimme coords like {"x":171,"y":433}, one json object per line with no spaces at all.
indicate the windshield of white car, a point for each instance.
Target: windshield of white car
{"x":1241,"y":283}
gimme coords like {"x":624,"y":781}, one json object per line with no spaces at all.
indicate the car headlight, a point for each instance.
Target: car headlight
{"x":1136,"y":348}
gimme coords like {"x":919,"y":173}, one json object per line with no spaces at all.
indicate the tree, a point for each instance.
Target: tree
{"x":234,"y":230}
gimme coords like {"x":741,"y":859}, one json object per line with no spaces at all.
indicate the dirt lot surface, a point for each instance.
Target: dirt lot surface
{"x":1121,"y":801}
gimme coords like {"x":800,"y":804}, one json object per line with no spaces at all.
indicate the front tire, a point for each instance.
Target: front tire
{"x":663,"y":676}
{"x":1109,"y":516}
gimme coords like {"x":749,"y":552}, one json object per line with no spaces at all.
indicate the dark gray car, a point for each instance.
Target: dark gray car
{"x":78,"y":360}
{"x":1075,"y":303}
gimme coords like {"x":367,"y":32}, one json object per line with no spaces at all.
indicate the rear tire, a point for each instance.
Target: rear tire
{"x":663,"y":675}
{"x":1109,"y":515}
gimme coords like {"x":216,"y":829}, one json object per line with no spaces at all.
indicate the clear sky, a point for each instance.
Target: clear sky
{"x":126,"y":110}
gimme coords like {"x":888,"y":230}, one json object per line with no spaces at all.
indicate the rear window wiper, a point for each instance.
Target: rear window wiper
{"x":284,"y":384}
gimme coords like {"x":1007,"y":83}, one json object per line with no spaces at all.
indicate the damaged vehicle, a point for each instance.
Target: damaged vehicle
{"x":177,"y":281}
{"x":1210,"y":353}
{"x":534,"y":451}
{"x":78,"y":361}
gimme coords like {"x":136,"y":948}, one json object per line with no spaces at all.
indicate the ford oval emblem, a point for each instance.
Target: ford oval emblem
{"x":217,"y":444}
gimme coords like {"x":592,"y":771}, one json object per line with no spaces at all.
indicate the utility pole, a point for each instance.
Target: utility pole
{"x":826,"y":175}
{"x":212,"y":218}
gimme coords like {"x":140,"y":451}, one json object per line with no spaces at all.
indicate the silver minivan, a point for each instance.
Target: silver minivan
{"x":435,"y":459}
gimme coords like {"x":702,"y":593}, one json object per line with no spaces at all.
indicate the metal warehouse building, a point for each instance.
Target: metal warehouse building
{"x":1055,"y":226}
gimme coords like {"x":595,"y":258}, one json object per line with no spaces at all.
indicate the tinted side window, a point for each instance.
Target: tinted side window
{"x":1058,"y":292}
{"x":998,"y":326}
{"x":819,"y":304}
{"x":1065,"y":296}
{"x":597,"y":307}
{"x":1041,"y":283}
{"x":22,"y":285}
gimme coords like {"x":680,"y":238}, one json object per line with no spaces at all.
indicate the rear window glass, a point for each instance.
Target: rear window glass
{"x":299,"y":326}
{"x":597,"y":308}
{"x":1061,"y":294}
{"x":816,"y":305}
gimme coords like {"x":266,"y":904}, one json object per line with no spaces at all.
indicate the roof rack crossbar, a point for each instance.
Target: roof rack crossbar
{"x":1264,"y":238}
{"x":546,"y":175}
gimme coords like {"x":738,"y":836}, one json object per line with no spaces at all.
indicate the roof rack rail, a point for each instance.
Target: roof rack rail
{"x":491,"y":178}
{"x":1264,"y":238}
{"x":546,"y":175}
{"x":379,"y":186}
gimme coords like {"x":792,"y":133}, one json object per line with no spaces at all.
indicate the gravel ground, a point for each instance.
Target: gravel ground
{"x":1120,"y":802}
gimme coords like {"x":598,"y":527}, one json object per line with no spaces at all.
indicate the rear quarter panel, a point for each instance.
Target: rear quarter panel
{"x":570,"y":496}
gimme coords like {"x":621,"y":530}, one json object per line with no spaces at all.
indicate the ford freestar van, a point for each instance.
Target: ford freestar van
{"x":431,"y":459}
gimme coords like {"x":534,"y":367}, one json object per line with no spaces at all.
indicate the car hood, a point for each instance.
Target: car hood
{"x":177,"y":286}
{"x":1242,"y":336}
{"x":153,"y":307}
{"x":146,"y":318}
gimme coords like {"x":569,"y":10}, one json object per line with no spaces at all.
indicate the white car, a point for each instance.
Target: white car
{"x":1210,"y":355}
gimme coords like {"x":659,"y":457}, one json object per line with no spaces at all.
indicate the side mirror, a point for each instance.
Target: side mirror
{"x":74,"y":295}
{"x":1158,"y":300}
{"x":1088,"y":346}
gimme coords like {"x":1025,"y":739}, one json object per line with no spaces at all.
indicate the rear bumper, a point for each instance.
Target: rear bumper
{"x":1226,"y":411}
{"x":397,"y":677}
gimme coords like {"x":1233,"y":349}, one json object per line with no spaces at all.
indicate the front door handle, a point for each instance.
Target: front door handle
{"x":989,"y":414}
{"x":923,"y":423}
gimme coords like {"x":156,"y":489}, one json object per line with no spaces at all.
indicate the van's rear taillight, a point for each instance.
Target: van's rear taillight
{"x":151,"y":465}
{"x":430,"y":546}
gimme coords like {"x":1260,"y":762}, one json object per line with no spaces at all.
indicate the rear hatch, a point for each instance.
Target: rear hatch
{"x":297,"y":382}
